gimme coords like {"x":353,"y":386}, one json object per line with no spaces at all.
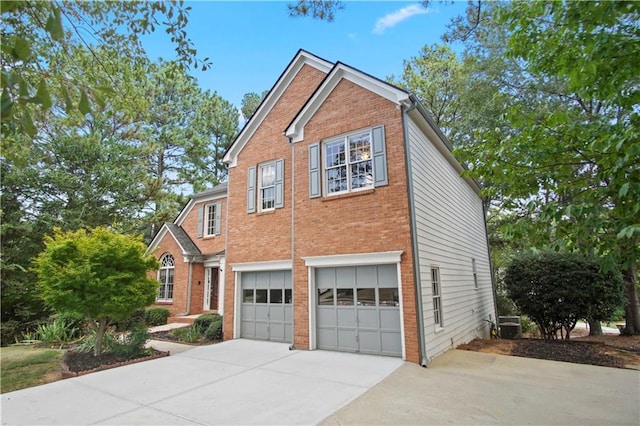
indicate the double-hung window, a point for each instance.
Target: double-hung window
{"x":165,"y":276}
{"x":436,"y":296}
{"x":210,"y":223}
{"x":267,"y":186}
{"x":348,"y":163}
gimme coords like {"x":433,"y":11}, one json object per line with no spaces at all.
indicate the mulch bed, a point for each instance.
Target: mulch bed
{"x":78,"y":363}
{"x":170,"y":337}
{"x":620,"y":353}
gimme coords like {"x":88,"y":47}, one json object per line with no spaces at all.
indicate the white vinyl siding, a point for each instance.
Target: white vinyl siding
{"x":450,"y":231}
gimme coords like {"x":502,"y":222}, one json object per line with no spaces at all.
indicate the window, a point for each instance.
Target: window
{"x":267,"y":186}
{"x":210,"y":213}
{"x":437,"y":299}
{"x":165,"y":276}
{"x":475,"y":273}
{"x":348,"y":163}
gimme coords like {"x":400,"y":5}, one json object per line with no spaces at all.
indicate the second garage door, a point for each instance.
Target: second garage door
{"x":358,"y":309}
{"x":266,"y":306}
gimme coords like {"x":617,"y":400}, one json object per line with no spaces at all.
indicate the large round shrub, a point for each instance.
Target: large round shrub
{"x":555,"y":290}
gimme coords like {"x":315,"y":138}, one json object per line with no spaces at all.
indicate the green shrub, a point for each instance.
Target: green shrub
{"x":73,"y":320}
{"x":9,"y":331}
{"x":131,"y":345}
{"x":136,"y":320}
{"x":56,"y":332}
{"x":506,"y":307}
{"x":204,"y":321}
{"x":214,"y":331}
{"x":189,"y":334}
{"x":88,"y":342}
{"x":156,"y":316}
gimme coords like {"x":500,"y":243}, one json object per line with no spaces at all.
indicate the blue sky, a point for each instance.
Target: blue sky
{"x":250,"y":43}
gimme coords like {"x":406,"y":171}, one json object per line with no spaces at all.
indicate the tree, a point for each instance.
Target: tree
{"x":555,"y":290}
{"x":39,"y":37}
{"x":250,"y":103}
{"x":318,"y":9}
{"x":96,"y":273}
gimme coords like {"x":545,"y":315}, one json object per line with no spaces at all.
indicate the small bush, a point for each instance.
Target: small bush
{"x":72,"y":320}
{"x":189,"y":334}
{"x":214,"y":331}
{"x":131,"y":345}
{"x":9,"y":331}
{"x":56,"y":332}
{"x":204,"y":321}
{"x":156,"y":316}
{"x":506,"y":307}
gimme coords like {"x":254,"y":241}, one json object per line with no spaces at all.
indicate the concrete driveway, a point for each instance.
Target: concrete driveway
{"x":462,"y":387}
{"x":235,"y":382}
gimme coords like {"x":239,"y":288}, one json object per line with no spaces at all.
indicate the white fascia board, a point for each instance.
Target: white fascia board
{"x":353,"y":259}
{"x":432,"y":135}
{"x":301,"y":59}
{"x":156,"y":240}
{"x":295,"y":131}
{"x":192,"y":202}
{"x":277,"y":265}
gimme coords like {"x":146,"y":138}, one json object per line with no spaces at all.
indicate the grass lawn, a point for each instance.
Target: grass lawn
{"x":23,"y":367}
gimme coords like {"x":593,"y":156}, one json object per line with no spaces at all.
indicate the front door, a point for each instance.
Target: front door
{"x":211,"y":289}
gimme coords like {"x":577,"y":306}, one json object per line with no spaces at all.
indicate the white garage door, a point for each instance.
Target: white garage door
{"x":358,"y":309}
{"x":266,"y":306}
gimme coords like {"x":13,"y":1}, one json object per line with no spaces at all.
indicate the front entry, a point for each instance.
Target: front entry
{"x":211,"y":289}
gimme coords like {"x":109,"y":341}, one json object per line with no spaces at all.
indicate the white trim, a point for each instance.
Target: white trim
{"x":312,"y":308}
{"x":302,"y":58}
{"x":155,"y":243}
{"x":344,"y":140}
{"x":353,"y":259}
{"x":260,"y":187}
{"x":193,"y":201}
{"x":221,"y":286}
{"x":339,"y":72}
{"x":402,"y":336}
{"x":236,"y":306}
{"x":276,"y":265}
{"x":205,"y":220}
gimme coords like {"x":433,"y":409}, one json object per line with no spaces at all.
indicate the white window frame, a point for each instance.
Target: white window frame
{"x":347,"y":163}
{"x":475,"y":272}
{"x":210,"y":220}
{"x":436,"y":296}
{"x":167,"y":263}
{"x":261,"y":188}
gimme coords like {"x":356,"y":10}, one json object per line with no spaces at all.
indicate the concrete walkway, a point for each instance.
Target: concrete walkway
{"x":467,"y":388}
{"x":235,"y":382}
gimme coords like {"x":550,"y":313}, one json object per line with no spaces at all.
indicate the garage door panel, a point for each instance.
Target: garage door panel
{"x":347,"y":340}
{"x":276,"y":313}
{"x":264,"y":315}
{"x":390,"y":319}
{"x":368,"y":318}
{"x":346,"y":276}
{"x":365,"y":276}
{"x":346,"y":317}
{"x":326,"y":317}
{"x":327,"y":338}
{"x":362,"y":313}
{"x":389,"y":343}
{"x":369,"y":341}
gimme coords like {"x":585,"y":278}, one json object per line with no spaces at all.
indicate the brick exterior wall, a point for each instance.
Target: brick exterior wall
{"x":263,"y":237}
{"x":207,"y":246}
{"x":371,"y":221}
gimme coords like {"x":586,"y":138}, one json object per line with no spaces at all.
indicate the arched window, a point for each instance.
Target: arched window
{"x":165,"y":276}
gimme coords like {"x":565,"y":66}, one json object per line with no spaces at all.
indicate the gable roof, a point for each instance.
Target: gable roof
{"x":301,"y":58}
{"x":187,"y":246}
{"x":218,"y":191}
{"x":341,"y":71}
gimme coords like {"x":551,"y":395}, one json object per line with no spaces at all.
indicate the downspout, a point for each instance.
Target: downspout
{"x":189,"y":284}
{"x":414,"y":240}
{"x":293,"y":229}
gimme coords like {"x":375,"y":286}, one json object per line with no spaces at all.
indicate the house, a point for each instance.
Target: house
{"x":191,"y":255}
{"x":347,"y":224}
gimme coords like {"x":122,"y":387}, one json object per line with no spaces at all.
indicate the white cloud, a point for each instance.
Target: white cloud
{"x":394,"y":18}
